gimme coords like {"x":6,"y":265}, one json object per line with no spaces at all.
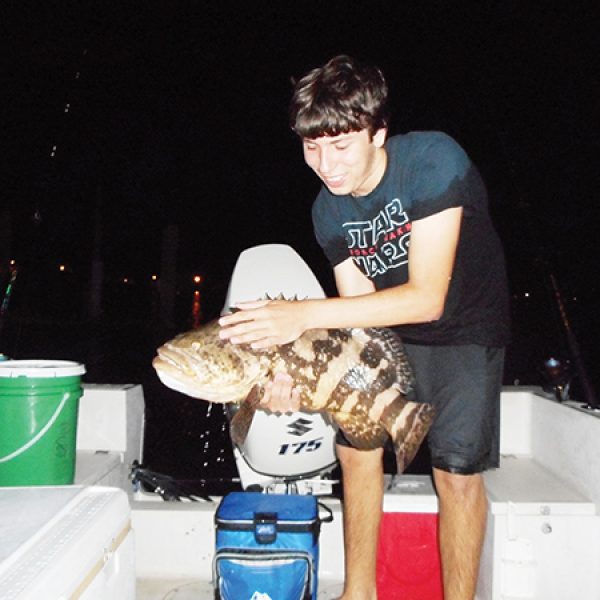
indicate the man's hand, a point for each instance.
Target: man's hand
{"x":280,"y":395}
{"x":264,"y":323}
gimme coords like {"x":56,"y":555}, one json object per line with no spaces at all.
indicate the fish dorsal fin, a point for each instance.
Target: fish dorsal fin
{"x":394,"y":347}
{"x":242,"y":420}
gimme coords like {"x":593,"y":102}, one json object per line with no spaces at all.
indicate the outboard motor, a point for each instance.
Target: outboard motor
{"x":292,"y":452}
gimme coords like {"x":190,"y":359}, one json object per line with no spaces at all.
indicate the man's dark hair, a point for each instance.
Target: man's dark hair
{"x":341,"y":96}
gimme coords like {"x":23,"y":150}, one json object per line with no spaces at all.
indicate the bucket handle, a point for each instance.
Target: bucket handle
{"x":38,"y":435}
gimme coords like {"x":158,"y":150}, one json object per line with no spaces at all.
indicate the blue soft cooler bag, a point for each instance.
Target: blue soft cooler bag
{"x":267,"y":547}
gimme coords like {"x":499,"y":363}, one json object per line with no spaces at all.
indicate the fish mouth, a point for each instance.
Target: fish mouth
{"x":175,"y":384}
{"x":175,"y":374}
{"x":171,"y":375}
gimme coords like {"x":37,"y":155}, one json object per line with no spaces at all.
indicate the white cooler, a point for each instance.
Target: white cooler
{"x":64,"y":543}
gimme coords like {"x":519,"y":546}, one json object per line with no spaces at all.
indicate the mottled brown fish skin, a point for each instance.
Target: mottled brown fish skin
{"x":361,"y":378}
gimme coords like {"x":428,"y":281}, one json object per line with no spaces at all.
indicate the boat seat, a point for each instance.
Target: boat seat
{"x":523,"y":482}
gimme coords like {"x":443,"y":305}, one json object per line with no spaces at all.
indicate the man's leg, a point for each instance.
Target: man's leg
{"x":362,"y":479}
{"x":463,"y":514}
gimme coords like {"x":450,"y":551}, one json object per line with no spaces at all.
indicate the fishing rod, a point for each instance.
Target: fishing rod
{"x":556,"y":373}
{"x":46,"y":173}
{"x":7,"y":294}
{"x":591,"y":400}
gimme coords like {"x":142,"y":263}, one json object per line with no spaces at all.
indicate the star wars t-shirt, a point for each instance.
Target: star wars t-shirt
{"x":426,"y":173}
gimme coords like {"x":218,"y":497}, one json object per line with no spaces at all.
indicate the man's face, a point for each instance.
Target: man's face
{"x":350,"y":163}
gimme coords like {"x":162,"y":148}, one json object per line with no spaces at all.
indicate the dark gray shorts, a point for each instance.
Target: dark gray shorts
{"x":463,"y":383}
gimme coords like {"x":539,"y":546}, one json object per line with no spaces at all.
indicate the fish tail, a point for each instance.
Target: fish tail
{"x":408,"y":428}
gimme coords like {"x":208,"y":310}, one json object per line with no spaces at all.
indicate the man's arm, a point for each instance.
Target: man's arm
{"x":421,"y":299}
{"x":350,"y":281}
{"x":279,"y":395}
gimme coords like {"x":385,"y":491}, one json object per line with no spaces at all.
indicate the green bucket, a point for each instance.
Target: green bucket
{"x":39,"y":401}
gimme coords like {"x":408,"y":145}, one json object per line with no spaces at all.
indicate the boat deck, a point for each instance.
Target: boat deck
{"x":175,"y":545}
{"x":543,"y":538}
{"x":163,"y":589}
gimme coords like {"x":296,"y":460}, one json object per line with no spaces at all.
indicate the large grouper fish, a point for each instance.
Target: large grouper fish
{"x":360,"y":378}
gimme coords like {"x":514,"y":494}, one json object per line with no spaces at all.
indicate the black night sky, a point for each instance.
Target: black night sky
{"x":176,"y":113}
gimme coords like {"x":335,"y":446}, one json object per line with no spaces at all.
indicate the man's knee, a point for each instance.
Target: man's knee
{"x":360,"y":460}
{"x":453,"y":485}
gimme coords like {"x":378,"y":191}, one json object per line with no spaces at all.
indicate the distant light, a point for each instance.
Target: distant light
{"x":154,"y":277}
{"x":125,"y":279}
{"x":196,"y":292}
{"x":13,"y":262}
{"x":526,"y":294}
{"x":197,"y":279}
{"x":62,"y":268}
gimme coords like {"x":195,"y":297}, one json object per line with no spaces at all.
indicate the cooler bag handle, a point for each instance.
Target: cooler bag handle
{"x":328,"y":518}
{"x":265,"y":527}
{"x":265,"y":524}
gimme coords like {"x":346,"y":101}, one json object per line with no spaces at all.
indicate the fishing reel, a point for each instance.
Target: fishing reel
{"x":557,"y":377}
{"x":165,"y":486}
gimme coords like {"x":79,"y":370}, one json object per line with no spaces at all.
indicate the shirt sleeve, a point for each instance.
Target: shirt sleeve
{"x":440,"y":177}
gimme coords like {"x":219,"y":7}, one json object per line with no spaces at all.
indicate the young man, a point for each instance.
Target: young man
{"x":405,"y":225}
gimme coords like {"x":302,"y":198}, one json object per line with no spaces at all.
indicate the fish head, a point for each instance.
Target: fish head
{"x":200,"y":364}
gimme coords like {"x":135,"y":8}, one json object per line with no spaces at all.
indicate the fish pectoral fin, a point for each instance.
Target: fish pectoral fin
{"x":361,"y":432}
{"x":242,"y":420}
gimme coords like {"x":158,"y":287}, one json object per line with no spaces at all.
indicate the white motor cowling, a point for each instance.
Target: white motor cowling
{"x":291,"y":452}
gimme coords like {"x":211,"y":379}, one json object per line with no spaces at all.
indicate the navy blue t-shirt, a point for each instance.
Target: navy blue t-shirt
{"x":426,"y":173}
